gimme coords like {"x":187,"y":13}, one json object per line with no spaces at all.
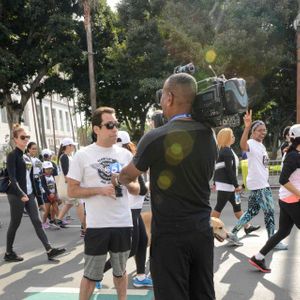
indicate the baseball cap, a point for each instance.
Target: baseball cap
{"x":295,"y":131}
{"x":68,"y":141}
{"x":123,"y":137}
{"x":47,"y":165}
{"x":47,"y":152}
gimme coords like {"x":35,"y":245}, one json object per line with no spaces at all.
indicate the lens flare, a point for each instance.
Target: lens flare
{"x":210,"y":56}
{"x":177,"y":146}
{"x":165,"y":180}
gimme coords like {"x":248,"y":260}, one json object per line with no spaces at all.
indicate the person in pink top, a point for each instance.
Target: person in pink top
{"x":289,"y":200}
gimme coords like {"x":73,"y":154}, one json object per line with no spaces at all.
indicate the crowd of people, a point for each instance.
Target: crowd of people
{"x":105,"y":183}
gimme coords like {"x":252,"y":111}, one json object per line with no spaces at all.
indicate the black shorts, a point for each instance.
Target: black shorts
{"x":99,"y":241}
{"x":224,"y":197}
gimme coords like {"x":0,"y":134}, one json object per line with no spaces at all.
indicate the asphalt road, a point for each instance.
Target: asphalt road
{"x":38,"y":279}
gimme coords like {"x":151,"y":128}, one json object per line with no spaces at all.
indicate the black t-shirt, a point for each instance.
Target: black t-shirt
{"x":181,"y":156}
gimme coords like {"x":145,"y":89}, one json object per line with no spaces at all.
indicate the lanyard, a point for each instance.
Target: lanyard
{"x":180,"y":116}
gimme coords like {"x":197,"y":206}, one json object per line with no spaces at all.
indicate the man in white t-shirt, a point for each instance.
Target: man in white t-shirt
{"x":257,"y":178}
{"x":108,"y":215}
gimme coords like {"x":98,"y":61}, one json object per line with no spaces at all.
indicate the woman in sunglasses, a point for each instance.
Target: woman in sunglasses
{"x":21,"y":194}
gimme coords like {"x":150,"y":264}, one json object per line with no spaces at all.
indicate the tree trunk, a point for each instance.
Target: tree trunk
{"x":53,"y":123}
{"x":89,"y":40}
{"x":43,"y":135}
{"x":35,"y":120}
{"x":38,"y":122}
{"x":71,"y":121}
{"x":14,"y":112}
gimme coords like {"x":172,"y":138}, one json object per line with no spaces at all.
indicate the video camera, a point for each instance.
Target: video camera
{"x":220,"y":103}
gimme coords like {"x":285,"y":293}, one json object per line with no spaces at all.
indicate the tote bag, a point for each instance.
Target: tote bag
{"x":61,"y":185}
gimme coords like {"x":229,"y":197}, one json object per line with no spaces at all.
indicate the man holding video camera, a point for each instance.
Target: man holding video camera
{"x":181,"y":157}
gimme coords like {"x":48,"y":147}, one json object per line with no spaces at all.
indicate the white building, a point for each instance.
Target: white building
{"x":63,"y":122}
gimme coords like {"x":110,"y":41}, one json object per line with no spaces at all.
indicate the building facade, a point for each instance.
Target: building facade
{"x":57,"y":123}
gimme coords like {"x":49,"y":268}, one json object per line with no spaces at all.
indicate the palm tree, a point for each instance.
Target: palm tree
{"x":87,"y":24}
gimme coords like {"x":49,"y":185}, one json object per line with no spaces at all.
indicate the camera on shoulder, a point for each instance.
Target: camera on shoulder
{"x":220,"y":103}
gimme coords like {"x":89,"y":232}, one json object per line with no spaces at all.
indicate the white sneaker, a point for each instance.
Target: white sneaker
{"x":232,"y":238}
{"x":281,"y":246}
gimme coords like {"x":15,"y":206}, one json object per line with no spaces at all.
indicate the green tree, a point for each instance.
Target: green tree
{"x":35,"y":36}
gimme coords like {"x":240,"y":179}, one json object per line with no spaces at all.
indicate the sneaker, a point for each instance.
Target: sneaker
{"x":65,"y":222}
{"x":281,"y":246}
{"x":98,"y":285}
{"x":55,"y":252}
{"x":259,"y":264}
{"x":251,"y":228}
{"x":45,"y":225}
{"x":232,"y":238}
{"x":53,"y":226}
{"x":60,"y":223}
{"x":12,"y":257}
{"x":25,"y":213}
{"x":146,"y":282}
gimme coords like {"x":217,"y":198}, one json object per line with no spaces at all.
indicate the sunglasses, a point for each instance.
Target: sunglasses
{"x":23,"y":137}
{"x":110,"y":125}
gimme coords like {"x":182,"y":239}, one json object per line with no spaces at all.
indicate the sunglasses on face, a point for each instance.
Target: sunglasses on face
{"x":23,"y":137}
{"x":111,"y":125}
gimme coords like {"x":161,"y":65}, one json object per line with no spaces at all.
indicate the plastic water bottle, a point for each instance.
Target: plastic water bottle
{"x":237,"y":198}
{"x":115,"y":168}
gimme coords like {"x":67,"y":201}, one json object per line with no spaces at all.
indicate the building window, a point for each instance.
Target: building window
{"x":47,"y":117}
{"x":61,"y":121}
{"x":67,"y":121}
{"x":3,"y":115}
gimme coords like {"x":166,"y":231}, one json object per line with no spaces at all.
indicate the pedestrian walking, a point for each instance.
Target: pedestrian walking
{"x":21,"y":194}
{"x":257,"y":178}
{"x":225,"y":178}
{"x":289,"y":200}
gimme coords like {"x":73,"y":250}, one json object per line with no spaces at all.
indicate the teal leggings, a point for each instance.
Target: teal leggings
{"x":259,"y":199}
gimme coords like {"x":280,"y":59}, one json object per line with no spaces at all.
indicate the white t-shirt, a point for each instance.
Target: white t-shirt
{"x":258,"y":171}
{"x":28,"y":163}
{"x":37,"y":165}
{"x":136,"y":201}
{"x":91,"y":166}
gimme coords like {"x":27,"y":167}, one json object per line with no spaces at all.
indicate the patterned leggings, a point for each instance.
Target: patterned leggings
{"x":259,"y":199}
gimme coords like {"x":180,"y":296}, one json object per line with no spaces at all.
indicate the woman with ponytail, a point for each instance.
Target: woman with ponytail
{"x":21,"y":194}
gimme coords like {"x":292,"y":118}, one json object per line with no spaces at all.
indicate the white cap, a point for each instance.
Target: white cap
{"x":68,"y":141}
{"x":47,"y":152}
{"x":294,"y":131}
{"x":47,"y":165}
{"x":124,"y":137}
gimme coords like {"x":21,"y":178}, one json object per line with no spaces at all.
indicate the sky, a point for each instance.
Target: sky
{"x":112,"y":3}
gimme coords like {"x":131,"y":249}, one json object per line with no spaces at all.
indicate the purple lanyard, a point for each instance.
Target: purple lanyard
{"x":180,"y":116}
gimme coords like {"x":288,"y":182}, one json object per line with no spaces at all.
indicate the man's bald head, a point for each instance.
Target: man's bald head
{"x":184,"y":88}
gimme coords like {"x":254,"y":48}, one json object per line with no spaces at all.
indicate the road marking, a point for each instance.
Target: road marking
{"x":57,"y":293}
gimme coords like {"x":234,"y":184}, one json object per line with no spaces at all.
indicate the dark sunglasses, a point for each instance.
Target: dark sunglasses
{"x":111,"y":125}
{"x":23,"y":137}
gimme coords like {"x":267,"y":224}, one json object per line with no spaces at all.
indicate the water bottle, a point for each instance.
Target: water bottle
{"x":237,"y":198}
{"x":115,"y":168}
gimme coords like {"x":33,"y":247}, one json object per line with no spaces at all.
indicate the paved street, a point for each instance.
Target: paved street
{"x":38,"y":279}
